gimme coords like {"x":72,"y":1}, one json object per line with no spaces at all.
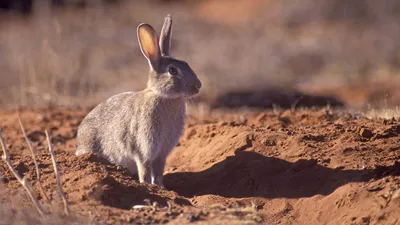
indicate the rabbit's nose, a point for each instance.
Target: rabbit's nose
{"x":194,"y":89}
{"x":198,"y":85}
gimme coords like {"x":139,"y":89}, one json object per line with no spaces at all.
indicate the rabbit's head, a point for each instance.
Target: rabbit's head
{"x":169,"y":77}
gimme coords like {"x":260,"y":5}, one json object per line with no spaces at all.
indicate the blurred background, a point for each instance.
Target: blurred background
{"x":260,"y":53}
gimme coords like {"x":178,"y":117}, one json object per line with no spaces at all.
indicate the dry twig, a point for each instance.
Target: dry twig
{"x":22,"y":181}
{"x":34,"y":159}
{"x":57,"y":174}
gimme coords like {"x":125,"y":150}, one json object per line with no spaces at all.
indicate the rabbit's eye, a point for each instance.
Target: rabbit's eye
{"x":172,"y":71}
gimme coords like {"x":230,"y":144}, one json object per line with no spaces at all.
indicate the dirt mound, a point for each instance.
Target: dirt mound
{"x":292,"y":161}
{"x":298,"y":167}
{"x":91,"y":180}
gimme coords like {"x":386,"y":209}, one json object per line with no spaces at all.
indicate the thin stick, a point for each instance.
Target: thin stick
{"x":57,"y":174}
{"x":34,"y":159}
{"x":22,"y":181}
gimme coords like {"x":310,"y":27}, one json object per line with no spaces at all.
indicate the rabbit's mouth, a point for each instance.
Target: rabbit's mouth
{"x":192,"y":90}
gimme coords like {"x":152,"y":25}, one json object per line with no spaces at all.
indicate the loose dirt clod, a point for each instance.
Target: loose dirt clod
{"x":366,"y":133}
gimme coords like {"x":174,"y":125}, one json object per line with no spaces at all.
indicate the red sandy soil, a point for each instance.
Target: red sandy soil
{"x":247,"y":167}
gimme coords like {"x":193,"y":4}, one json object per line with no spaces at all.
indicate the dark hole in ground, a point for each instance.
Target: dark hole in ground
{"x":270,"y":98}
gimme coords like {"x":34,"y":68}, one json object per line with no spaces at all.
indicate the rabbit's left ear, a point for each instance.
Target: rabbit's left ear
{"x":165,"y":36}
{"x":149,"y":45}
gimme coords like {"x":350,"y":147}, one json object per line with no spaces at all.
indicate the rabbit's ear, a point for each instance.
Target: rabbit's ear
{"x":149,"y":45}
{"x":165,"y":36}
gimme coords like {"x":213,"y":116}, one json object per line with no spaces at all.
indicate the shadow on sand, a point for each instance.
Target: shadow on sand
{"x":249,"y":174}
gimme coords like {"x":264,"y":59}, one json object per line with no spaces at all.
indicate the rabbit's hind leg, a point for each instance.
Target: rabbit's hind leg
{"x":87,"y":141}
{"x":158,"y":170}
{"x":132,"y":168}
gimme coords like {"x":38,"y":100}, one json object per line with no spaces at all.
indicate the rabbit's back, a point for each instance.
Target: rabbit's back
{"x":108,"y":120}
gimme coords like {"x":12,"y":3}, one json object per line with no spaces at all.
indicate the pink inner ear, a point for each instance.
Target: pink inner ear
{"x":149,"y":44}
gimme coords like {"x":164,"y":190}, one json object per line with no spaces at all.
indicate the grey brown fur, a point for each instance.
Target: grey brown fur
{"x":138,"y":130}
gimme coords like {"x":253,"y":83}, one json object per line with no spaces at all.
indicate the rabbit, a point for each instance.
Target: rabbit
{"x":138,"y":130}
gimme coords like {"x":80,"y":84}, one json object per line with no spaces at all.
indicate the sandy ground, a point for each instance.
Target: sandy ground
{"x":230,"y":167}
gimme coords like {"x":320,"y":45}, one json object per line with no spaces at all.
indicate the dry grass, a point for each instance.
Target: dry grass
{"x":15,"y":211}
{"x":22,"y":180}
{"x":81,"y":56}
{"x":385,"y":113}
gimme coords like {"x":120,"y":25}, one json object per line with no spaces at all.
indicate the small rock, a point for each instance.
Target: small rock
{"x":328,"y":160}
{"x":233,"y":124}
{"x":192,"y":218}
{"x":338,"y":126}
{"x":392,"y":149}
{"x":267,"y":142}
{"x":366,"y":220}
{"x":348,"y":149}
{"x":374,"y":189}
{"x":223,"y":123}
{"x":366,"y":133}
{"x":311,"y":145}
{"x":284,"y":120}
{"x":287,"y":208}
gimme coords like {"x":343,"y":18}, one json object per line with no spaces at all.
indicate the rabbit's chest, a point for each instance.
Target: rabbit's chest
{"x":170,"y":128}
{"x":161,"y":127}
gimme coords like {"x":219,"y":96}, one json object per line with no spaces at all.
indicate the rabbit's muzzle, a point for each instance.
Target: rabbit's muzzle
{"x":193,"y":88}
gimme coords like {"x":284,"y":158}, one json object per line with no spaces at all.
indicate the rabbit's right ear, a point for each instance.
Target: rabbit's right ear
{"x":165,"y":36}
{"x":149,"y":45}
